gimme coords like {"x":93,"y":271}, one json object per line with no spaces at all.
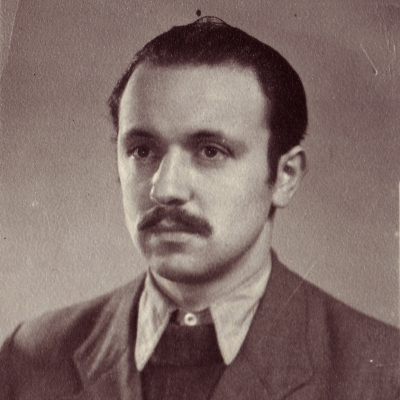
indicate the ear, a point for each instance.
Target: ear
{"x":292,"y":167}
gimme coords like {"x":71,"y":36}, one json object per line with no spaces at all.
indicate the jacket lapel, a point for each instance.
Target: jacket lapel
{"x":105,"y":361}
{"x":273,"y":361}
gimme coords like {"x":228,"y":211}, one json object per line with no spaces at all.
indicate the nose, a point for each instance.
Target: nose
{"x":169,"y":184}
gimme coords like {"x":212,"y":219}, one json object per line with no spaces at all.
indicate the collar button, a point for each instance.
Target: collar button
{"x":190,"y":319}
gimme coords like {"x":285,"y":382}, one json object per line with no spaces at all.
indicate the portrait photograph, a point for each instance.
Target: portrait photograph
{"x":218,"y":165}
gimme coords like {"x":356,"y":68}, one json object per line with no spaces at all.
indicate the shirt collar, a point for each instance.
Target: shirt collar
{"x":232,"y":316}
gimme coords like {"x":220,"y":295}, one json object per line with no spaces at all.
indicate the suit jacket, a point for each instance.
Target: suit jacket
{"x":302,"y":345}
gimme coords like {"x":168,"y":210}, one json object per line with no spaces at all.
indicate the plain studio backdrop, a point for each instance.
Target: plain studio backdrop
{"x":63,"y":238}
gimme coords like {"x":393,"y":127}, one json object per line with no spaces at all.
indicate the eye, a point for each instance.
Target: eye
{"x":211,"y":152}
{"x":141,"y":152}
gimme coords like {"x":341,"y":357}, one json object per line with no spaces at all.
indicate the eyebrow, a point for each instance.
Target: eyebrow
{"x":236,"y":145}
{"x":138,"y":132}
{"x":133,"y":133}
{"x":209,"y":135}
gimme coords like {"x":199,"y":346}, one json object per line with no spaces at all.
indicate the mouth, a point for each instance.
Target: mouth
{"x":168,"y":226}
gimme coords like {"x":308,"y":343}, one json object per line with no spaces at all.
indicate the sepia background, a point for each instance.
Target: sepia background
{"x":62,"y":229}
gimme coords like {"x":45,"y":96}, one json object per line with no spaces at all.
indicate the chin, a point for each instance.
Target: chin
{"x":185,"y":272}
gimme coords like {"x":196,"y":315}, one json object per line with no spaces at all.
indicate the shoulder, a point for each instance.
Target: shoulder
{"x":40,"y":357}
{"x":325,"y":308}
{"x":347,"y":325}
{"x":344,"y":329}
{"x":48,"y":338}
{"x":357,"y":347}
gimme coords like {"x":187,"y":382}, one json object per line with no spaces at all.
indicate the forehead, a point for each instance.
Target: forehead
{"x":192,"y":96}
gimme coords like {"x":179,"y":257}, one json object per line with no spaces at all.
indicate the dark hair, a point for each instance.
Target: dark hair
{"x":210,"y":41}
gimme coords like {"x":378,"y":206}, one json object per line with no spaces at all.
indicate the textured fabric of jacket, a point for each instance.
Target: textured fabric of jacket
{"x":302,"y":345}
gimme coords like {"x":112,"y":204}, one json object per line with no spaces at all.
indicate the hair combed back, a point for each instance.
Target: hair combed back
{"x":210,"y":41}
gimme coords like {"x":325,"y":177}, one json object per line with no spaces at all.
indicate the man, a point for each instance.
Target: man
{"x":209,"y":122}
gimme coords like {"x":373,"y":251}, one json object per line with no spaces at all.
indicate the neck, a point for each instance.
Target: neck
{"x":197,"y":297}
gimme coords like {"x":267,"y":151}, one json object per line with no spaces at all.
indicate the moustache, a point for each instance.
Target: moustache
{"x":187,"y":222}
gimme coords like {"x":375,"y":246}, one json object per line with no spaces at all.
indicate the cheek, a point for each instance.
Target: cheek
{"x":241,"y":194}
{"x":136,"y":195}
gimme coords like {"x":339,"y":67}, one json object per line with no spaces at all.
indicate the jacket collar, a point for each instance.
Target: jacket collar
{"x":272,"y":362}
{"x":274,"y":356}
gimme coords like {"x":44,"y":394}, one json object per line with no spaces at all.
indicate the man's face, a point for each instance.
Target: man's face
{"x":192,"y":160}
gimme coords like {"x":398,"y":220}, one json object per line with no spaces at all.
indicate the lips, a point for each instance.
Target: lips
{"x":171,"y":227}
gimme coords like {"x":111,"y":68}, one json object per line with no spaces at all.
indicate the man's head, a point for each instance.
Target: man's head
{"x":210,"y":41}
{"x":194,"y":116}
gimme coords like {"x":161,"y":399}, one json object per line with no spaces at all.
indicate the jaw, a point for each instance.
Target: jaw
{"x":196,"y":282}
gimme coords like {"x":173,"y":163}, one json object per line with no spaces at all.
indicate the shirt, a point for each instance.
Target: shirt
{"x":232,"y":316}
